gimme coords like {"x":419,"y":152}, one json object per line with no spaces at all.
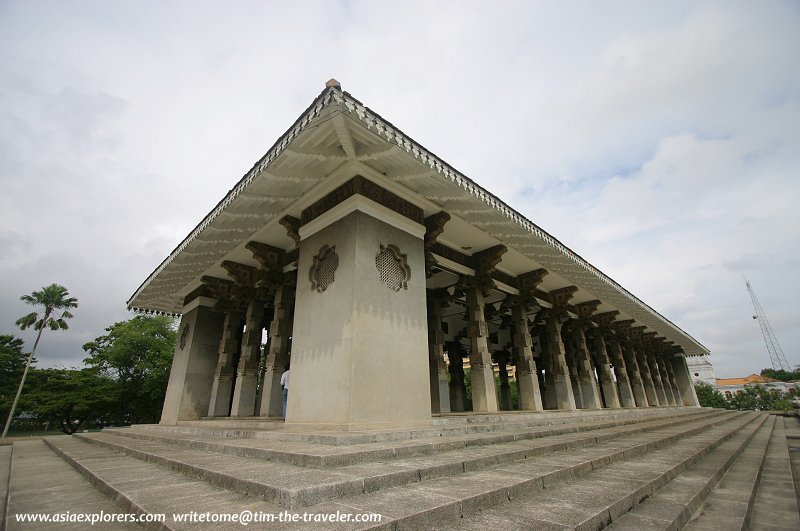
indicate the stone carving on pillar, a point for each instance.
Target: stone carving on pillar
{"x":484,"y":396}
{"x":277,"y":357}
{"x":503,"y":358}
{"x":323,"y":269}
{"x":225,"y":372}
{"x":458,"y":392}
{"x":668,"y":364}
{"x":636,"y":335}
{"x":528,"y":389}
{"x":557,"y":380}
{"x":590,"y":392}
{"x":292,"y":226}
{"x":484,"y":263}
{"x":631,"y":363}
{"x":607,"y":351}
{"x":434,"y":227}
{"x":649,"y":346}
{"x":438,"y":299}
{"x":659,"y":348}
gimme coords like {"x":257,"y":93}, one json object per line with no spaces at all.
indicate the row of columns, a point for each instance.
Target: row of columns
{"x":584,"y":363}
{"x":245,"y":382}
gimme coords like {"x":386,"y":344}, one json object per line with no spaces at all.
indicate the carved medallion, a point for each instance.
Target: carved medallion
{"x":322,"y":270}
{"x":393,"y":267}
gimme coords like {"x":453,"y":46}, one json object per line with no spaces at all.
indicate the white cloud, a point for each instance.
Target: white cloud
{"x":658,"y":140}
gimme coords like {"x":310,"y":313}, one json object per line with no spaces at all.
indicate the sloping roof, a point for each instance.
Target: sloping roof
{"x":753,"y":378}
{"x":337,"y":129}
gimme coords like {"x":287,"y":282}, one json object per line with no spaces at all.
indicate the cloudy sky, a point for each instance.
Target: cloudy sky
{"x":659,"y":140}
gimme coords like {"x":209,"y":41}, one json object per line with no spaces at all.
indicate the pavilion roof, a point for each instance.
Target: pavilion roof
{"x":336,"y":134}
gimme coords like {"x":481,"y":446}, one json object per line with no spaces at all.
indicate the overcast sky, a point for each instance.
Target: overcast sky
{"x":659,"y":140}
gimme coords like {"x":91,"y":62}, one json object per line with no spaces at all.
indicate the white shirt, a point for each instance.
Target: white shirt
{"x":285,"y":380}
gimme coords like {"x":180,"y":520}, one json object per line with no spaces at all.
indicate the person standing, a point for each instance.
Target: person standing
{"x":285,"y":386}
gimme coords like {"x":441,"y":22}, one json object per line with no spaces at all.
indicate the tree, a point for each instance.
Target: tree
{"x":12,"y":364}
{"x":781,"y":374}
{"x":52,"y":299}
{"x":71,"y":398}
{"x":137,"y":353}
{"x":709,"y":397}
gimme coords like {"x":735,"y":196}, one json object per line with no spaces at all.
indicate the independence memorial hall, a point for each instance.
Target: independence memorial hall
{"x":382,"y":273}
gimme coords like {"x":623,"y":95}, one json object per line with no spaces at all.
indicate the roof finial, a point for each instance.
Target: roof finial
{"x":333,"y":83}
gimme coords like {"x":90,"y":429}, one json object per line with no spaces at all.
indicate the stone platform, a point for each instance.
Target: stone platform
{"x":657,"y":468}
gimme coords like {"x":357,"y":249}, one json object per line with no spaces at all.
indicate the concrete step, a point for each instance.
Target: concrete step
{"x":323,"y":455}
{"x":776,"y":503}
{"x":42,"y":483}
{"x":290,"y":486}
{"x":607,"y":494}
{"x":142,"y":488}
{"x":526,"y":495}
{"x":729,"y":505}
{"x":700,"y":491}
{"x":459,"y":425}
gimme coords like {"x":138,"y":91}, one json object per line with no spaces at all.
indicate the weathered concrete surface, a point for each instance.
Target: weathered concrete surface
{"x":651,"y":473}
{"x":43,"y":483}
{"x":776,"y":500}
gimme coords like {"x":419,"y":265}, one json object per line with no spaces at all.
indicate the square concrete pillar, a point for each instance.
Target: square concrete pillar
{"x":528,"y":392}
{"x":607,"y":384}
{"x":437,"y":368}
{"x":590,"y":394}
{"x":277,"y":358}
{"x":244,"y":393}
{"x":359,"y":350}
{"x":637,"y":385}
{"x":658,"y":384}
{"x":646,"y":377}
{"x":191,"y":376}
{"x":559,"y":383}
{"x":684,"y":381}
{"x":621,"y":371}
{"x":484,"y":394}
{"x":225,"y":372}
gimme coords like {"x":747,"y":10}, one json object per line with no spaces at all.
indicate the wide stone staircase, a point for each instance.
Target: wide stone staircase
{"x":660,"y":468}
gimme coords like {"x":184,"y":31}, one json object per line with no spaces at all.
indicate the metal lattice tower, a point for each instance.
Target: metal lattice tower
{"x":774,"y":349}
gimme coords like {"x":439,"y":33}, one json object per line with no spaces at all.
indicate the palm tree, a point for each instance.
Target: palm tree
{"x":51,"y":299}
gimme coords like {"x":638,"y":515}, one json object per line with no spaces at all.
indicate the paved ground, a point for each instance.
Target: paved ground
{"x":36,"y":465}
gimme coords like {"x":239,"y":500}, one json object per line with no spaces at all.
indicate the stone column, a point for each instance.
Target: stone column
{"x":457,"y":389}
{"x":277,"y":358}
{"x":624,"y":387}
{"x":658,"y":384}
{"x":528,"y":392}
{"x":572,"y":370}
{"x":559,"y":380}
{"x":484,"y":396}
{"x":684,"y":381}
{"x":590,"y":394}
{"x":440,"y":395}
{"x":637,"y":386}
{"x":244,"y":392}
{"x":604,"y":371}
{"x":225,"y":372}
{"x":647,"y":379}
{"x":665,"y":383}
{"x":502,"y":358}
{"x":189,"y":387}
{"x":673,"y":383}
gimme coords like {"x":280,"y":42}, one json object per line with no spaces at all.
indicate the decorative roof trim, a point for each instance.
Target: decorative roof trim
{"x":313,"y":111}
{"x":373,"y":121}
